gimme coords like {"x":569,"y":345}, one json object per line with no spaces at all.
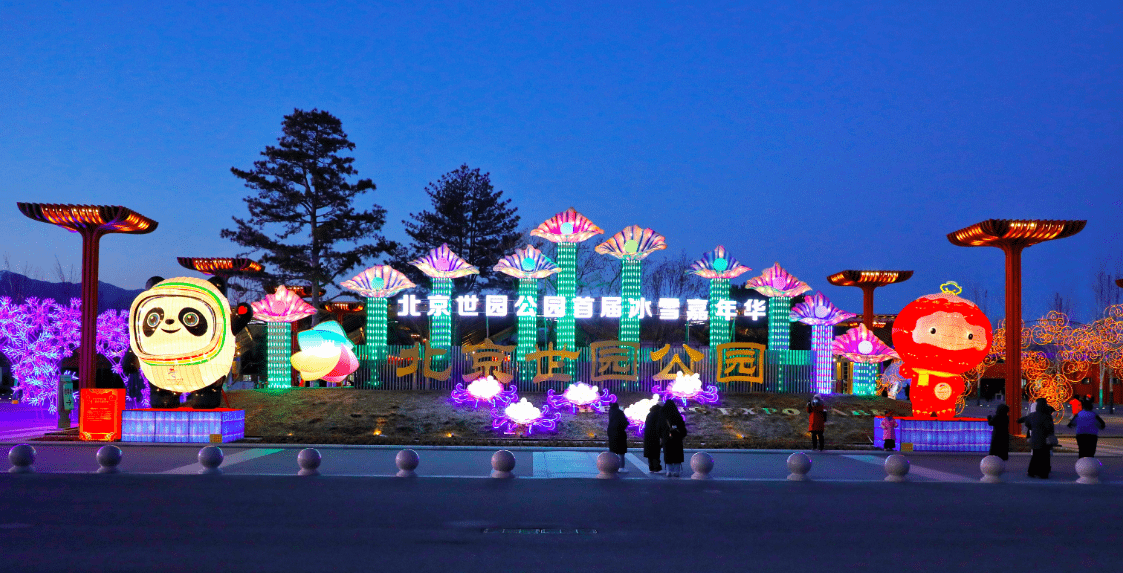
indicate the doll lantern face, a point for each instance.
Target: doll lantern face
{"x":175,"y":325}
{"x":950,"y":331}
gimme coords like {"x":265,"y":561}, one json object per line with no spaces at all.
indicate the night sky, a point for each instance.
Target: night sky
{"x":825,"y":137}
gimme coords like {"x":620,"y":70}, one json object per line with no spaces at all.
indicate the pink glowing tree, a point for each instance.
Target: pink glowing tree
{"x":860,"y":346}
{"x":819,"y":312}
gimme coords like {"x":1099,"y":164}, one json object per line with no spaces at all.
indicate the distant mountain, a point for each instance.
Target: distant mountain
{"x":18,"y":288}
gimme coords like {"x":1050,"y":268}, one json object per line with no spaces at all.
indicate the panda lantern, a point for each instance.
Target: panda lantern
{"x":939,"y":337}
{"x":183,"y":330}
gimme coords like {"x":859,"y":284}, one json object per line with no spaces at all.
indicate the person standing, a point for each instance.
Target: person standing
{"x":1088,"y":425}
{"x":618,"y":433}
{"x":817,"y":419}
{"x":652,"y":445}
{"x":888,"y":431}
{"x":1041,"y":438}
{"x":1000,"y":434}
{"x":674,"y":431}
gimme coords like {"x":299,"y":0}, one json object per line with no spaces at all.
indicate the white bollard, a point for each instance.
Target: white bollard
{"x":407,"y":461}
{"x":1089,"y":470}
{"x":702,"y":464}
{"x":109,"y":457}
{"x":608,"y":464}
{"x":896,"y":468}
{"x":799,"y":464}
{"x":992,"y":467}
{"x":22,"y":458}
{"x":210,"y":458}
{"x":502,"y":464}
{"x":309,"y":461}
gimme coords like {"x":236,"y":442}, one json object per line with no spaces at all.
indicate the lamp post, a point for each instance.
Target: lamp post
{"x":1013,"y":236}
{"x":868,"y":281}
{"x":92,"y":222}
{"x":224,"y":267}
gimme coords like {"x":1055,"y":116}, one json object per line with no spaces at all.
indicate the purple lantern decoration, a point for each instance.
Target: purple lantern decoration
{"x":688,"y":387}
{"x":523,"y":418}
{"x":487,"y":390}
{"x":581,"y":397}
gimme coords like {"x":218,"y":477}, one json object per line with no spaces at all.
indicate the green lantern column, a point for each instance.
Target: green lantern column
{"x":527,"y":331}
{"x":440,"y":327}
{"x":278,"y":351}
{"x":630,"y":289}
{"x":720,"y":327}
{"x":566,"y":332}
{"x":779,"y":335}
{"x":865,"y":379}
{"x":375,"y":351}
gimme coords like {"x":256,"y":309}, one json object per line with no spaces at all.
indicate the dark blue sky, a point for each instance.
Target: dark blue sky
{"x":825,"y":137}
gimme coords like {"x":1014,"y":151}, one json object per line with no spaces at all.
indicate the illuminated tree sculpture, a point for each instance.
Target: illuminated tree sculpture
{"x":92,"y":222}
{"x":528,"y":265}
{"x":632,"y":245}
{"x":860,"y":346}
{"x":868,"y":281}
{"x":279,"y":310}
{"x":719,"y":268}
{"x":442,"y":265}
{"x":566,"y":230}
{"x":818,"y":311}
{"x":780,"y":287}
{"x":376,"y":285}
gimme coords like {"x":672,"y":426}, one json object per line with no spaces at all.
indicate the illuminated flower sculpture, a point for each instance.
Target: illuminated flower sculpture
{"x":325,"y":353}
{"x":940,"y":336}
{"x":780,"y":287}
{"x":637,"y":413}
{"x":527,"y":264}
{"x":523,"y":418}
{"x":375,"y":285}
{"x":581,"y":397}
{"x":718,"y":268}
{"x":818,"y":311}
{"x":442,"y":265}
{"x":279,"y":310}
{"x":688,"y":387}
{"x":487,"y":390}
{"x":566,"y":230}
{"x":860,"y":346}
{"x":631,"y":246}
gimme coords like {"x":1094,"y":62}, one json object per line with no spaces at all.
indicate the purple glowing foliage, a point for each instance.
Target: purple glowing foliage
{"x":441,"y":262}
{"x":487,"y":390}
{"x":113,"y":339}
{"x":527,"y":263}
{"x":282,"y":306}
{"x":523,"y":415}
{"x":684,"y":388}
{"x":379,"y":281}
{"x":817,"y":309}
{"x":569,"y":226}
{"x":859,"y":344}
{"x":581,"y":397}
{"x":632,"y":243}
{"x":36,"y":336}
{"x":717,"y":265}
{"x":775,"y":281}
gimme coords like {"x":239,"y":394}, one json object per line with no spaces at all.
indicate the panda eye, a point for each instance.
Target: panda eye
{"x":191,"y":319}
{"x":932,"y":330}
{"x":152,"y":319}
{"x":970,"y":336}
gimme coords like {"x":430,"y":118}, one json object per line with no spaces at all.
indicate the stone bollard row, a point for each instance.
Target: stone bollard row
{"x":210,"y":458}
{"x":896,"y":468}
{"x":309,"y":461}
{"x":22,"y":458}
{"x":799,"y":464}
{"x":1089,"y":470}
{"x":702,"y":464}
{"x":407,"y":461}
{"x":992,"y":467}
{"x":608,"y":464}
{"x":502,"y":464}
{"x":108,"y":458}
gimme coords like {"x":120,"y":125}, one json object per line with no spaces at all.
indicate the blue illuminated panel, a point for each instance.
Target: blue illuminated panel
{"x":929,"y":435}
{"x":182,"y":425}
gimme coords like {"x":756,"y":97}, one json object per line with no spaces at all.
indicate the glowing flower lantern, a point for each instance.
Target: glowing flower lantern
{"x":860,"y":346}
{"x":375,"y":285}
{"x":717,"y":267}
{"x":631,"y":246}
{"x":780,"y":287}
{"x":442,"y":265}
{"x":527,"y":264}
{"x":278,"y":311}
{"x":940,"y":336}
{"x":818,"y":311}
{"x":487,"y":390}
{"x":523,"y":418}
{"x":581,"y":397}
{"x":689,"y":387}
{"x":638,"y":411}
{"x":325,"y":353}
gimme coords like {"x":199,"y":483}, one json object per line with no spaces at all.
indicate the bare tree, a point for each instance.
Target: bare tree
{"x":1105,"y":291}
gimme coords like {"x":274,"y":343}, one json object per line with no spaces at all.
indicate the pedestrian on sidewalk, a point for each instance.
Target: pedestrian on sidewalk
{"x":888,"y":431}
{"x":1000,"y":434}
{"x":1088,"y":425}
{"x":652,"y":440}
{"x":674,"y":431}
{"x":618,"y":433}
{"x":1041,"y":438}
{"x":817,"y":419}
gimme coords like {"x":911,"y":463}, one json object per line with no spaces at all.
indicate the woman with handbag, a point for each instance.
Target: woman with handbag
{"x":1041,"y":439}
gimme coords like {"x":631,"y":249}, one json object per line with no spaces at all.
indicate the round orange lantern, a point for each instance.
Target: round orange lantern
{"x":939,"y":337}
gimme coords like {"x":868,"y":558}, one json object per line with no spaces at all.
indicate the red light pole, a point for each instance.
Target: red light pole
{"x":867,"y":281}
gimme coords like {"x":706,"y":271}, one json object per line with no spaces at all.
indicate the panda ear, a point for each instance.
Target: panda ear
{"x":153,"y":282}
{"x":218,"y":282}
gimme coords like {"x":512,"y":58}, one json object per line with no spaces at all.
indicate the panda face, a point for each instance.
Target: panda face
{"x":174,"y":325}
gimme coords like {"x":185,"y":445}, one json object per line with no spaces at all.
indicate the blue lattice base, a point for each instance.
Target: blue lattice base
{"x":931,"y":435}
{"x":183,"y":425}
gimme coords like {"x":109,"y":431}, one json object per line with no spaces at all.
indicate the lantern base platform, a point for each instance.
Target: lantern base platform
{"x":932,"y":435}
{"x":183,"y":425}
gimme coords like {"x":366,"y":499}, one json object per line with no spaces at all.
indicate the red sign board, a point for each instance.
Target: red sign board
{"x":100,"y":419}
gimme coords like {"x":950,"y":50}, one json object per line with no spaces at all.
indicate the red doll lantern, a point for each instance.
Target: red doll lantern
{"x":939,"y":337}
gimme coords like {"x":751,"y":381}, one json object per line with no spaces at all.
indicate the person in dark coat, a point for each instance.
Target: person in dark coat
{"x":617,"y":433}
{"x":1088,"y":425}
{"x":652,"y":444}
{"x":674,"y":430}
{"x":1000,"y":435}
{"x":1040,"y":424}
{"x":817,"y":419}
